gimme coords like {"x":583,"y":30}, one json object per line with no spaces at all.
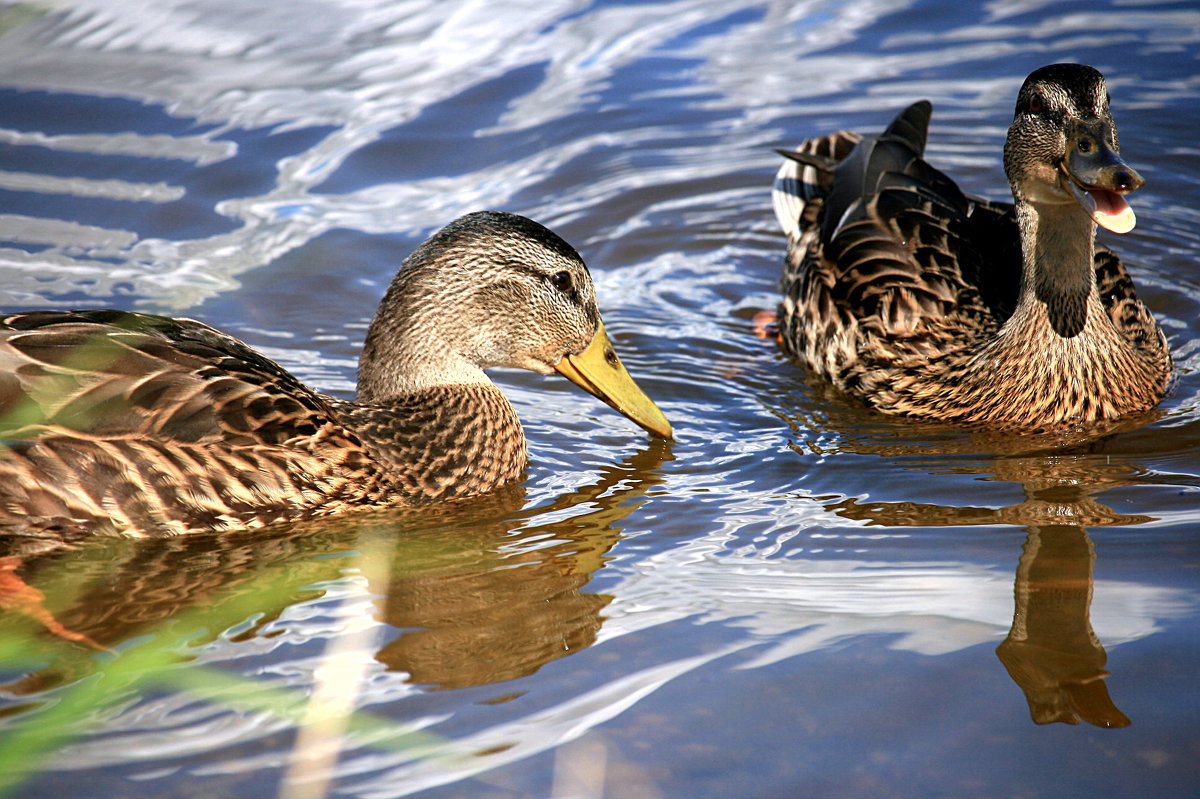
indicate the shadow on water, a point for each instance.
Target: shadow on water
{"x":481,"y":592}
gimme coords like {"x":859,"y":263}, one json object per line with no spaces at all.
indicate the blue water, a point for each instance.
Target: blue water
{"x":795,"y":598}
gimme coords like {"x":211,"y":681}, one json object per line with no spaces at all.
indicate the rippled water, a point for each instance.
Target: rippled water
{"x":795,"y":598}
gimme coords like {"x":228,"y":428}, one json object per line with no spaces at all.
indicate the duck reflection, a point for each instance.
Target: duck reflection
{"x":483,"y":591}
{"x":503,"y":611}
{"x":1051,"y":651}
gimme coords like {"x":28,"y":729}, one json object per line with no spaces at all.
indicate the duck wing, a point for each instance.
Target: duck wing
{"x":115,"y":374}
{"x":152,"y":424}
{"x":1130,"y":316}
{"x":888,"y":260}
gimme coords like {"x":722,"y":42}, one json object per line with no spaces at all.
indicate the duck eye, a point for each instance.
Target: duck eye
{"x":1084,"y":145}
{"x":1035,"y":104}
{"x":562,"y":281}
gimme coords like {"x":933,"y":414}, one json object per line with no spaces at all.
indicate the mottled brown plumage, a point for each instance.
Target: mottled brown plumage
{"x":924,"y":302}
{"x":130,"y":423}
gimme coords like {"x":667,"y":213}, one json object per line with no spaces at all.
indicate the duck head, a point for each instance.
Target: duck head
{"x":1062,"y":146}
{"x":496,"y":289}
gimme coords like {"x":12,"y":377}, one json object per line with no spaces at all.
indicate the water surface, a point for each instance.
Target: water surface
{"x":795,"y":598}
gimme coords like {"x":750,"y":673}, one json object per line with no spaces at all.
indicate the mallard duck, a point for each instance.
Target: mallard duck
{"x":138,"y":424}
{"x":902,"y":291}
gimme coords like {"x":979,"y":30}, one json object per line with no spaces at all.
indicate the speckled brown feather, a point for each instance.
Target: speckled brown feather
{"x":897,"y":286}
{"x":443,"y":443}
{"x":135,"y":424}
{"x":143,"y":423}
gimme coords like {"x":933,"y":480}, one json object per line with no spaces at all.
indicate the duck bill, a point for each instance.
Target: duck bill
{"x":598,"y":371}
{"x":1107,"y":208}
{"x":1098,"y":179}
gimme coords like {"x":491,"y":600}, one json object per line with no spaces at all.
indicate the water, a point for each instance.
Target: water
{"x":795,"y":598}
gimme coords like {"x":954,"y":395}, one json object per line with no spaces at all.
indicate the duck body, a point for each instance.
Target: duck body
{"x":923,"y":302}
{"x":129,"y":423}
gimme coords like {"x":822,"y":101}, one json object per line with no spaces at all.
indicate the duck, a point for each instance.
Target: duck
{"x":923,"y":302}
{"x":125,"y":423}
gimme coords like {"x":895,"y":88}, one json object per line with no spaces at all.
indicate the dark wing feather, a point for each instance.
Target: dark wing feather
{"x":865,"y":170}
{"x":1127,"y":312}
{"x":891,"y":252}
{"x":144,"y":423}
{"x":111,"y":373}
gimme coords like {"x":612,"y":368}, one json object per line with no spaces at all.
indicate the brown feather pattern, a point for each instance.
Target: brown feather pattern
{"x":910,"y":297}
{"x":128,"y":423}
{"x":160,"y":425}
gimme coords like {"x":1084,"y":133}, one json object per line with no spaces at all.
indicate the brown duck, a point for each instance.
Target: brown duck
{"x":137,"y":424}
{"x":904,"y":292}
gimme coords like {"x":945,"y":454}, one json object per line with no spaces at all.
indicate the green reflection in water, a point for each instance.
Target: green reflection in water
{"x":483,"y":591}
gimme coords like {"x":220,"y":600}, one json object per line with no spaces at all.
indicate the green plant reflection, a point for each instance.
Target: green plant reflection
{"x":480,"y":592}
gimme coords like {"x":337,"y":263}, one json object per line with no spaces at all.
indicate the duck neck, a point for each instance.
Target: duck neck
{"x":444,"y":442}
{"x":427,"y":412}
{"x":1059,"y":279}
{"x":406,"y":352}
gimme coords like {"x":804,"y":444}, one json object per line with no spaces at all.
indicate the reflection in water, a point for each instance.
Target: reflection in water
{"x":1059,"y":489}
{"x":16,"y":596}
{"x":1051,"y":651}
{"x":113,"y":591}
{"x":479,"y":626}
{"x":491,"y":598}
{"x":502,"y":613}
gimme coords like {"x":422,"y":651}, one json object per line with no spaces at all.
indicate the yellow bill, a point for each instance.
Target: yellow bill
{"x":598,"y":371}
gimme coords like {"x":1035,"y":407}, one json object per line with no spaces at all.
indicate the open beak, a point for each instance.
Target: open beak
{"x":1099,"y":179}
{"x":598,"y":371}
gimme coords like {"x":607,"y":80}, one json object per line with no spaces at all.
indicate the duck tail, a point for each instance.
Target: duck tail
{"x":911,"y":126}
{"x":805,"y":175}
